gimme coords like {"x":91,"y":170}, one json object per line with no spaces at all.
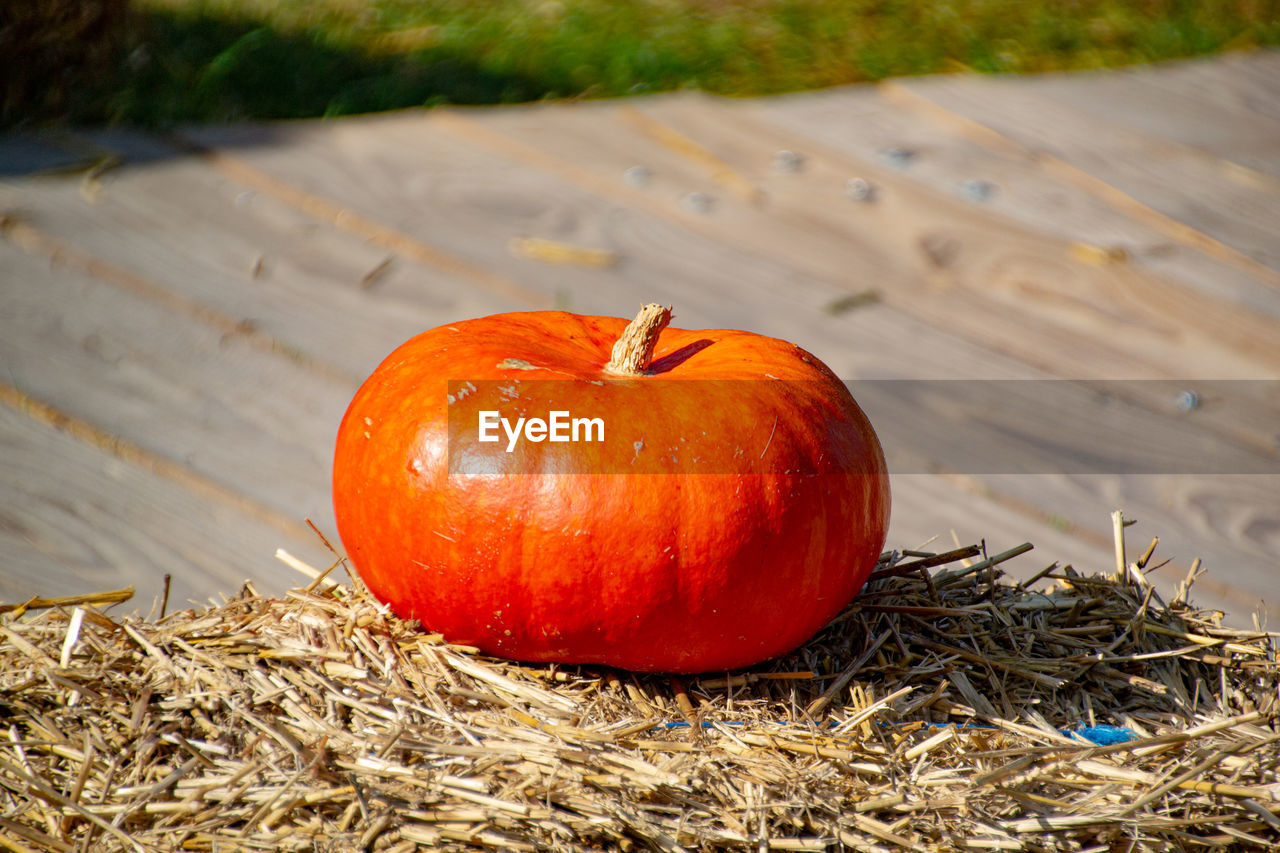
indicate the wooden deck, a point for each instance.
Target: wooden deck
{"x":184,"y":318}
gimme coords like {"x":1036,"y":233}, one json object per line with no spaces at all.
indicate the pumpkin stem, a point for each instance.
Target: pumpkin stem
{"x":634,"y":350}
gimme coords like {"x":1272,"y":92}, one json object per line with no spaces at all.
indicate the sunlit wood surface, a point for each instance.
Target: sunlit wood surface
{"x":183,"y":317}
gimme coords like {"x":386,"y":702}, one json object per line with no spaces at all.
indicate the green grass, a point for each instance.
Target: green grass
{"x":215,"y":60}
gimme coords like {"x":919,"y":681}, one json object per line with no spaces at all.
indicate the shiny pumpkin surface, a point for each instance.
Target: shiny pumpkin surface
{"x":713,"y":559}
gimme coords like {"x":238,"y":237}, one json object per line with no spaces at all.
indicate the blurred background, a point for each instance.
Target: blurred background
{"x":153,"y":62}
{"x":217,"y":217}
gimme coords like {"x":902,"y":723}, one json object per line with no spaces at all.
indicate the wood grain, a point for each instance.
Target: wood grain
{"x":169,"y":385}
{"x":927,"y":513}
{"x":860,"y":122}
{"x":214,"y":308}
{"x":1172,"y":180}
{"x":1225,"y":107}
{"x":1020,"y":294}
{"x":1118,"y":305}
{"x":474,"y":209}
{"x":1060,"y":501}
{"x":73,"y":518}
{"x":816,"y":230}
{"x":260,"y":264}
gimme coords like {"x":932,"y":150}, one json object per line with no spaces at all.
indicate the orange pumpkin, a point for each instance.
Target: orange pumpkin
{"x":757,"y":512}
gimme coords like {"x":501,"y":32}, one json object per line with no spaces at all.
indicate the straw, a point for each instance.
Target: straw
{"x":938,"y":711}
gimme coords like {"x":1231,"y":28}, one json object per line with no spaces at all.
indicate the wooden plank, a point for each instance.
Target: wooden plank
{"x":859,"y":122}
{"x":691,"y":270}
{"x":1022,"y":292}
{"x":397,"y":145}
{"x":1227,"y":522}
{"x":1172,"y":180}
{"x":925,"y":514}
{"x":711,"y":284}
{"x":75,"y":519}
{"x":1072,"y":507}
{"x":1018,"y":291}
{"x":470,"y":220}
{"x":737,"y":264}
{"x":262,"y":266}
{"x":407,"y":137}
{"x":1225,"y":106}
{"x":253,"y":421}
{"x":1153,"y":328}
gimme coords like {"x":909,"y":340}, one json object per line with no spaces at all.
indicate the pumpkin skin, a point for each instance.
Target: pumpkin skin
{"x":553,"y":556}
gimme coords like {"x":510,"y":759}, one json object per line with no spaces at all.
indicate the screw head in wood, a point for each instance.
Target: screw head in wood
{"x":788,"y":162}
{"x":638,"y":176}
{"x":697,"y":202}
{"x":859,"y":189}
{"x":898,"y":158}
{"x":976,"y":190}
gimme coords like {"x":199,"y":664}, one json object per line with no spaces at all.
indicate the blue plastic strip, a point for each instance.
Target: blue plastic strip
{"x":1103,"y":735}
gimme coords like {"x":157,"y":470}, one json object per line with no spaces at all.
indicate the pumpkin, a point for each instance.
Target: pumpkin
{"x":737,"y":500}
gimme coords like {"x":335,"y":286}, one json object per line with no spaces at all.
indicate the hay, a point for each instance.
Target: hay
{"x":941,"y":711}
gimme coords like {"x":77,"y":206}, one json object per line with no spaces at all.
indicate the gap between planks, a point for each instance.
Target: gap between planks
{"x":1248,"y":346}
{"x":162,"y":466}
{"x":1251,"y":341}
{"x":34,"y":241}
{"x":662,"y":133}
{"x":318,"y":206}
{"x":998,"y":143}
{"x":346,"y":219}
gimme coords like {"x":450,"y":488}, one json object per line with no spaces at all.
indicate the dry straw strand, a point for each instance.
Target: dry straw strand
{"x":938,"y":711}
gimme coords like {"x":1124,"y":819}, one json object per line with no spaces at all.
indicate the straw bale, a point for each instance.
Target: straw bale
{"x":945,"y":709}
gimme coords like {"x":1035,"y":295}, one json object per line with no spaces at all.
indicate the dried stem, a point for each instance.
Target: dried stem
{"x":634,"y":350}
